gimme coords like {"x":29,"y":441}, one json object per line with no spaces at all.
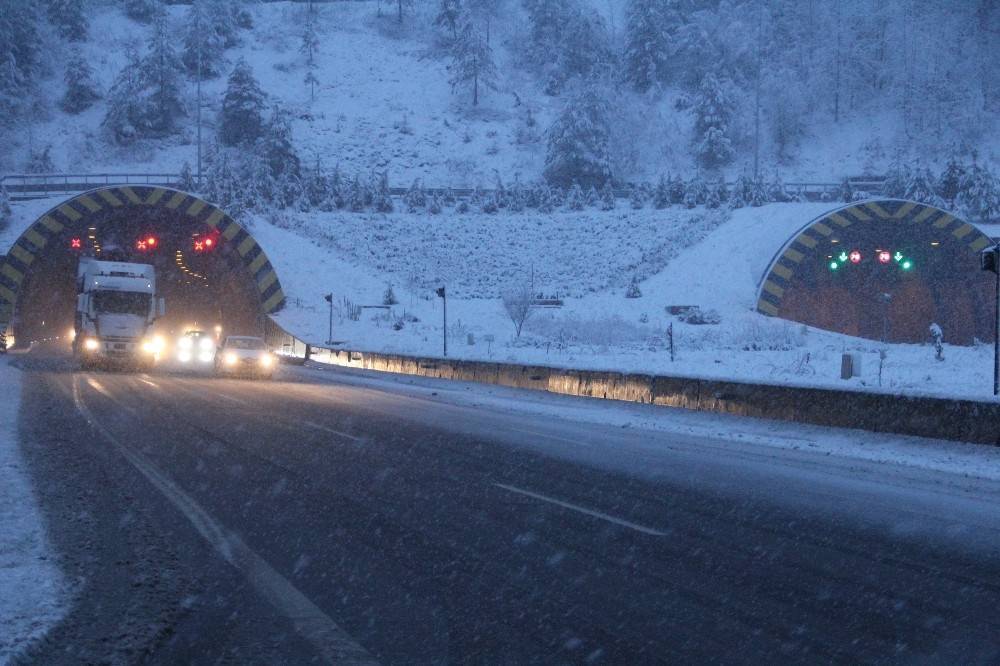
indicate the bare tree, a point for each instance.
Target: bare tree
{"x":517,"y":305}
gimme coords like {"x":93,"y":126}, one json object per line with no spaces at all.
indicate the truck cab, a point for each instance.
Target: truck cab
{"x":116,"y":309}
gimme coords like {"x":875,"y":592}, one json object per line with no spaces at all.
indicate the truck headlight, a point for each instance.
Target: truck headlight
{"x":90,"y":344}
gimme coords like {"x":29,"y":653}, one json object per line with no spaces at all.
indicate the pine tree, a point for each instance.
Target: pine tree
{"x":227,"y":18}
{"x":547,"y":20}
{"x":721,"y":191}
{"x":434,"y":206}
{"x":69,"y":19}
{"x":676,"y":190}
{"x":661,"y":197}
{"x":308,"y":48}
{"x":20,"y":56}
{"x":637,"y":198}
{"x":448,"y":15}
{"x":579,"y":143}
{"x":161,"y":77}
{"x":142,"y":10}
{"x":124,"y":111}
{"x":951,"y":179}
{"x":592,"y":197}
{"x":696,"y":190}
{"x":472,"y":62}
{"x":415,"y":198}
{"x":576,"y":200}
{"x":896,"y":178}
{"x":920,"y":187}
{"x":382,"y":198}
{"x":758,"y":193}
{"x":81,"y":89}
{"x":276,"y":150}
{"x":979,"y":195}
{"x":546,"y":199}
{"x":742,"y":191}
{"x":241,"y":119}
{"x":714,"y":109}
{"x":775,"y":190}
{"x":186,"y":181}
{"x":583,"y":53}
{"x":633,"y":290}
{"x":317,"y":186}
{"x":204,"y":46}
{"x":607,"y":196}
{"x":712,"y":199}
{"x":647,"y":42}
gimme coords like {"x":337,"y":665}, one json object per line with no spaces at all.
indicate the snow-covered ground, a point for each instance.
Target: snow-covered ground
{"x":32,"y":593}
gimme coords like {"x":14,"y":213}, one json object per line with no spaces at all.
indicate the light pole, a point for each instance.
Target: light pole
{"x":329,"y":337}
{"x":444,"y":298}
{"x":200,"y":46}
{"x":989,"y":260}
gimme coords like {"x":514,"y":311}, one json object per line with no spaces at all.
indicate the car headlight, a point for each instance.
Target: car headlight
{"x":231,"y":358}
{"x":266,"y":360}
{"x":90,"y":344}
{"x":206,"y":344}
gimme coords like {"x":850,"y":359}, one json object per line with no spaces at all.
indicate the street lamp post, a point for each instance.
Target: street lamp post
{"x":329,"y":337}
{"x":989,"y":260}
{"x":444,"y":298}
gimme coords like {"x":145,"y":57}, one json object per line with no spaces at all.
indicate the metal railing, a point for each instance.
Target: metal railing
{"x":38,"y":185}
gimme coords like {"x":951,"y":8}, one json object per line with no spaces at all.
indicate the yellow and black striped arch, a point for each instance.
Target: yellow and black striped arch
{"x":69,"y":218}
{"x":805,"y":244}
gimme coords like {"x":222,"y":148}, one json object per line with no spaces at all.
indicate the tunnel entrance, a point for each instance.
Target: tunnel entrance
{"x":212,"y":274}
{"x":885,"y":268}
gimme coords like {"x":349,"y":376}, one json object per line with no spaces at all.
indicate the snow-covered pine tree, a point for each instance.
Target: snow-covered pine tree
{"x":712,"y":199}
{"x":591,"y":197}
{"x":124,"y":109}
{"x":979,"y":195}
{"x":472,"y":62}
{"x":920,"y":187}
{"x":647,"y":42}
{"x":607,"y":196}
{"x":275,"y":147}
{"x":758,"y":193}
{"x":951,"y":179}
{"x":775,"y":190}
{"x":576,"y":199}
{"x":633,"y":290}
{"x":203,"y":45}
{"x":81,"y":89}
{"x":675,"y":188}
{"x":546,"y":199}
{"x":434,"y":205}
{"x":547,"y":20}
{"x":227,"y":18}
{"x":308,"y":48}
{"x":714,"y":109}
{"x":316,"y":186}
{"x":356,"y":195}
{"x":721,"y":190}
{"x":742,"y":191}
{"x":896,"y":178}
{"x":415,"y":197}
{"x":579,"y":142}
{"x":637,"y":198}
{"x":241,"y":119}
{"x":69,"y":19}
{"x":186,"y":181}
{"x":846,"y":191}
{"x":516,"y":198}
{"x":382,"y":198}
{"x":161,"y":70}
{"x":697,"y":190}
{"x":142,"y":10}
{"x":661,"y":196}
{"x":20,"y":56}
{"x":449,"y":12}
{"x":584,"y":52}
{"x":690,"y":199}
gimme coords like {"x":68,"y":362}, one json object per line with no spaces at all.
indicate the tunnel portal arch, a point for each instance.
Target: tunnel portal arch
{"x":944,"y":283}
{"x":49,"y":237}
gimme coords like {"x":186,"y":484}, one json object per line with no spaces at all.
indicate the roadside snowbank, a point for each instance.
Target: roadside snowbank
{"x":31,"y":586}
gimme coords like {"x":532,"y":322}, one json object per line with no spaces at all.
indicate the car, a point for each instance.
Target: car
{"x":244,"y":355}
{"x":195,"y":347}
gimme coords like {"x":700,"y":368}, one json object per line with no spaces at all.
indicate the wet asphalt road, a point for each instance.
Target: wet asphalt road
{"x":329,"y":517}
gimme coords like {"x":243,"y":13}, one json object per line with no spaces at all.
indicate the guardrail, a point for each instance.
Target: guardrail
{"x":938,"y":418}
{"x":35,"y":186}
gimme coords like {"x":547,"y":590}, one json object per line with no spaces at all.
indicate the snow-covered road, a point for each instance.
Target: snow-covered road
{"x":32,"y":590}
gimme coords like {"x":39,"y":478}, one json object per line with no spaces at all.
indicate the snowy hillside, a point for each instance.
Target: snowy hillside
{"x":384,"y":99}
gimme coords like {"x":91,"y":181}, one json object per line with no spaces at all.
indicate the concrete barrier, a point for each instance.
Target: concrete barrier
{"x":964,"y":420}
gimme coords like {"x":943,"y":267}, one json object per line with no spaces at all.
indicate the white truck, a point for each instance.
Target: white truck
{"x":116,"y":308}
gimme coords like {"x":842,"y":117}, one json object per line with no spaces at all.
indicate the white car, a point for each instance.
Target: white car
{"x":244,"y":355}
{"x":196,"y":347}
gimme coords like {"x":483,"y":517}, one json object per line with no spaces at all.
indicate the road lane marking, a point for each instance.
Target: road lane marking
{"x":97,"y":386}
{"x":583,"y":510}
{"x":146,"y":381}
{"x":332,"y":642}
{"x":318,"y":426}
